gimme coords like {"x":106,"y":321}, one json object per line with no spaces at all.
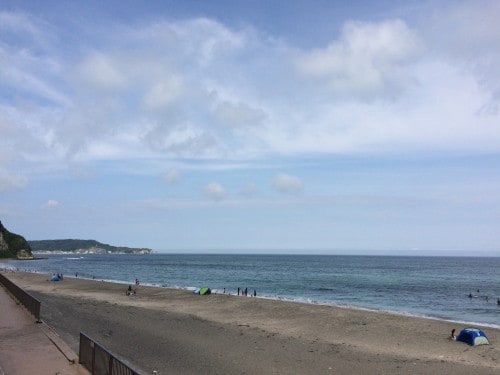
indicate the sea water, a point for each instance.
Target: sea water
{"x":435,"y":287}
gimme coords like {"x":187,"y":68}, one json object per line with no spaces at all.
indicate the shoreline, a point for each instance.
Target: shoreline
{"x":282,"y":336}
{"x":291,"y":300}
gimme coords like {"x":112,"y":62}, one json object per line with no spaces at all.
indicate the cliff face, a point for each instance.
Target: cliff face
{"x":13,"y":245}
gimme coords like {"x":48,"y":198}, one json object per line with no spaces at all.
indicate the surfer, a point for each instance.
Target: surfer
{"x":498,"y":301}
{"x":470,"y":295}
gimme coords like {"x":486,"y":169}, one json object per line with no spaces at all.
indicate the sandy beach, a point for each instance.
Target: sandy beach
{"x":176,"y":332}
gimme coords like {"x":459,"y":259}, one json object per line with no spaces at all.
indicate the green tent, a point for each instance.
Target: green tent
{"x":204,"y":291}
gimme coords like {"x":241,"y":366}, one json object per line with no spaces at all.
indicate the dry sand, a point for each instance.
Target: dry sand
{"x":175,"y":332}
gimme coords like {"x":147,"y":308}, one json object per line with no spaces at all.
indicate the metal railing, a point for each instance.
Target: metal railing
{"x":100,"y":361}
{"x":93,"y":356}
{"x":30,"y":302}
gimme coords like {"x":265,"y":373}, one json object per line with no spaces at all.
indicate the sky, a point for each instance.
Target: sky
{"x":298,"y":126}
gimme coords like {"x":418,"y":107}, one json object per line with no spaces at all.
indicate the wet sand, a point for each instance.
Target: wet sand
{"x":176,"y":332}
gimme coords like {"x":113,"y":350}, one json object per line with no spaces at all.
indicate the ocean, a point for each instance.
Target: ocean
{"x":434,"y":287}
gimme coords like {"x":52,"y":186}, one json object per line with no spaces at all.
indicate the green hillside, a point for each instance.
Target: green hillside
{"x":93,"y":246}
{"x":13,"y":245}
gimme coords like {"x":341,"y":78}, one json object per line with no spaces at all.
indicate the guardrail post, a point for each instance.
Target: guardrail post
{"x":26,"y":299}
{"x":110,"y":368}
{"x":102,"y":361}
{"x":92,"y":345}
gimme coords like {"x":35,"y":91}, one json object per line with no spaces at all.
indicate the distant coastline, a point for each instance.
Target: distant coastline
{"x":92,"y":251}
{"x":73,"y":246}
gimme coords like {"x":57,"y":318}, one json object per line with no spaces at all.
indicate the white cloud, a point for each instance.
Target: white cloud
{"x":200,"y":90}
{"x":11,"y":181}
{"x":101,"y":72}
{"x":17,"y":22}
{"x":287,"y":184}
{"x":214,"y":191}
{"x":26,"y":29}
{"x":471,"y":42}
{"x":51,"y":204}
{"x":183,"y":140}
{"x":207,"y":39}
{"x":123,"y":101}
{"x":172,"y":177}
{"x":238,"y":115}
{"x":474,"y":25}
{"x":164,"y":93}
{"x":367,"y":58}
{"x":250,"y":189}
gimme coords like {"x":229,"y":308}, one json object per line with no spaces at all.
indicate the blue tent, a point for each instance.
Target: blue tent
{"x":473,"y":336}
{"x":55,"y":278}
